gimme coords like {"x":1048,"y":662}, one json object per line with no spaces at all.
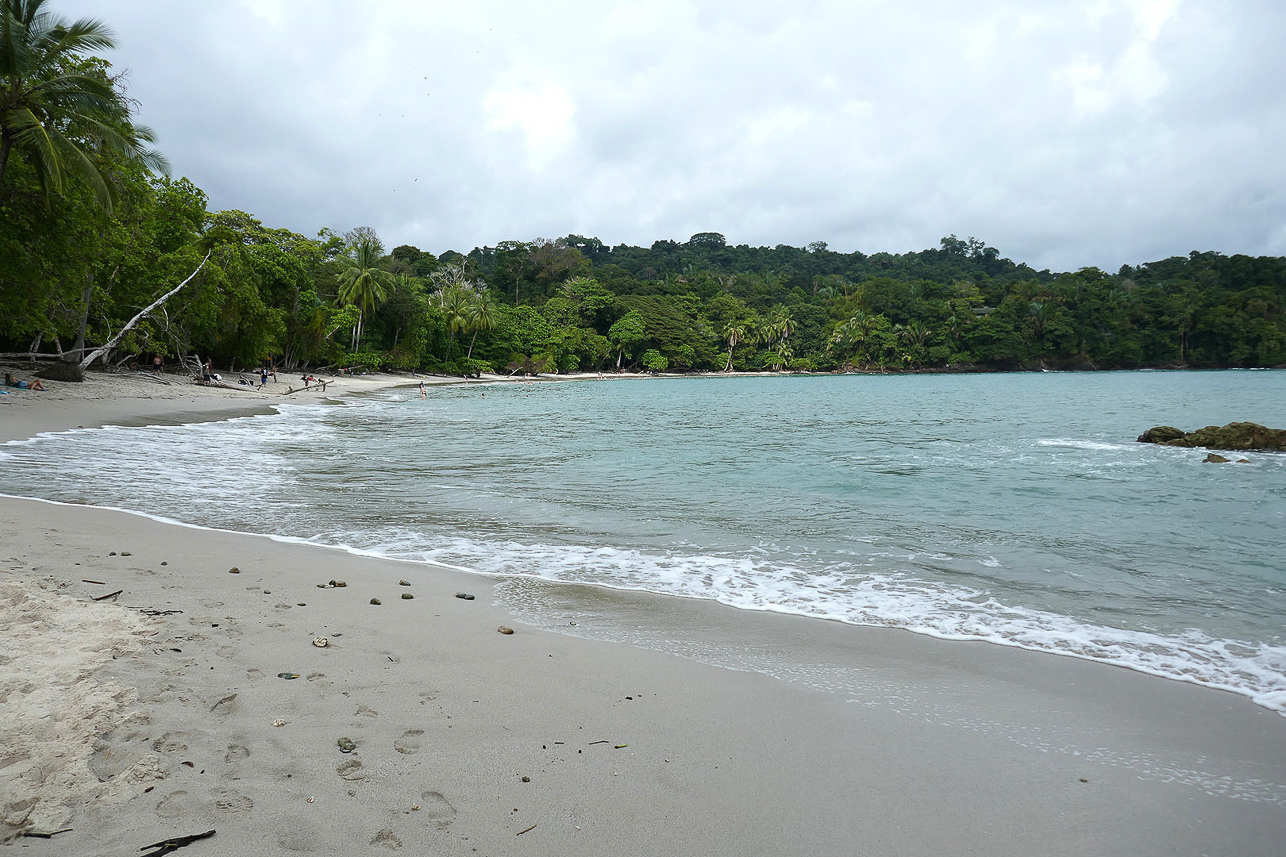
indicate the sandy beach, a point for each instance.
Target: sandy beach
{"x":228,"y":686}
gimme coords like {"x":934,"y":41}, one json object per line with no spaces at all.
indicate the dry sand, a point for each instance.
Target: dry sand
{"x":161,"y":712}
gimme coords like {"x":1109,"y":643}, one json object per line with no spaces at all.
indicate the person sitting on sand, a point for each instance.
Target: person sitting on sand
{"x":11,"y":381}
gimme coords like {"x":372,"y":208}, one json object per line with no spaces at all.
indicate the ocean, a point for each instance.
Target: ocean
{"x":1013,"y":508}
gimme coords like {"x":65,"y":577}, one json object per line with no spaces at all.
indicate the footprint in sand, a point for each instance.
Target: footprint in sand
{"x":438,"y":809}
{"x":387,"y":838}
{"x":351,"y":770}
{"x":225,"y":705}
{"x":171,"y":742}
{"x":226,"y":801}
{"x":254,"y":673}
{"x":236,"y":752}
{"x":409,"y":742}
{"x":366,"y":711}
{"x":178,"y":803}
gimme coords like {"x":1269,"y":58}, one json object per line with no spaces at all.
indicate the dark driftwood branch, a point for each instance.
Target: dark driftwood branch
{"x":39,"y":835}
{"x":120,"y":334}
{"x":165,"y":846}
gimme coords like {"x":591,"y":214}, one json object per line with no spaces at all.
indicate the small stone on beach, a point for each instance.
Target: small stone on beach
{"x":375,"y":601}
{"x":346,"y":745}
{"x":406,"y":596}
{"x":404,"y":583}
{"x":321,"y":642}
{"x":464,"y":595}
{"x":234,"y":570}
{"x":505,"y":629}
{"x":278,"y":723}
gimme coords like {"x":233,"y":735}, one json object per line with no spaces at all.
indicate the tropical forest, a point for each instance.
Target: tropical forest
{"x":106,"y":259}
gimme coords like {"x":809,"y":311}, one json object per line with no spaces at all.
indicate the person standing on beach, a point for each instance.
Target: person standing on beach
{"x":263,"y":378}
{"x":156,"y":364}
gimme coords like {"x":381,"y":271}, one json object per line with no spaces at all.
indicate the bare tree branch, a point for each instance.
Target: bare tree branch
{"x":111,"y":343}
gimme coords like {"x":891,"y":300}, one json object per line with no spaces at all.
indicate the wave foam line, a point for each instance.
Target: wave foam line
{"x":859,"y":597}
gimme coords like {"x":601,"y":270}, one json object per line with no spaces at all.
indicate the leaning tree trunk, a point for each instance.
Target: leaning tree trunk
{"x":76,"y":371}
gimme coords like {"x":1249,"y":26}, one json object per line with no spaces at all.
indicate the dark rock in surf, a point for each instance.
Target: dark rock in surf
{"x":1235,"y":436}
{"x":1161,"y":434}
{"x":1215,"y":458}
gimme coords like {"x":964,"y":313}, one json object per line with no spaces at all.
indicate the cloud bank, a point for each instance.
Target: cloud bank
{"x":1066,"y":134}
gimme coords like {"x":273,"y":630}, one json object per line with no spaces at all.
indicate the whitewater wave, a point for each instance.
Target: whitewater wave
{"x":858,"y":596}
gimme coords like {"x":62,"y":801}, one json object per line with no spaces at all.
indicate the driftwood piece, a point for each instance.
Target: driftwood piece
{"x":165,"y":846}
{"x":109,"y":595}
{"x":320,"y":386}
{"x":37,"y":834}
{"x":224,"y":385}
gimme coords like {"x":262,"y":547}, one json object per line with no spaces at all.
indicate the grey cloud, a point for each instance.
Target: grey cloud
{"x":1063,"y":138}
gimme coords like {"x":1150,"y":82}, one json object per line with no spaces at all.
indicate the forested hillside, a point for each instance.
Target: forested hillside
{"x":91,"y":233}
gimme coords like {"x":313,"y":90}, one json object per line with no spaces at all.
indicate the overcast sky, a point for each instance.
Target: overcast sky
{"x":1065,"y":134}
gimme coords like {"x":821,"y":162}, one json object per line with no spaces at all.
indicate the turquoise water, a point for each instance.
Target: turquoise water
{"x":1011,"y":508}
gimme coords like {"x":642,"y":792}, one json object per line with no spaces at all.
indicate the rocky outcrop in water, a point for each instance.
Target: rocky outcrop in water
{"x":1238,"y":436}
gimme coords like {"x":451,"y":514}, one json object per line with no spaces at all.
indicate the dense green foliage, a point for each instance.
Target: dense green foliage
{"x":74,"y":267}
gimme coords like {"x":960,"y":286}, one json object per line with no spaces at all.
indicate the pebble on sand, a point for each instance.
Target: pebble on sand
{"x":375,"y":601}
{"x":466,"y":596}
{"x":321,"y":642}
{"x":346,"y":745}
{"x":234,"y":570}
{"x":406,"y":596}
{"x":505,"y":629}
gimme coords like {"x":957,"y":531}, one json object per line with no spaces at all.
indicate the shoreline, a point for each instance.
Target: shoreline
{"x":906,"y":743}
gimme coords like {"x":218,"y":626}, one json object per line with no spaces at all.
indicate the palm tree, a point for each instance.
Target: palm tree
{"x":783,"y":324}
{"x":480,"y":315}
{"x":362,"y":284}
{"x":783,"y":354}
{"x":455,"y":301}
{"x":733,"y":334}
{"x":55,"y":114}
{"x":853,"y":333}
